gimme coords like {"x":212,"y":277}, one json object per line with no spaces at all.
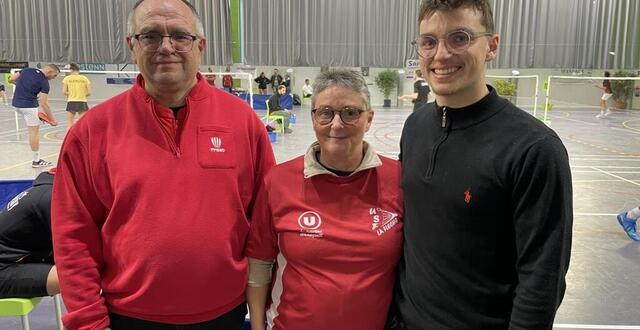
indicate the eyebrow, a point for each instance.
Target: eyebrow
{"x":340,"y":108}
{"x":155,"y":29}
{"x":466,"y":29}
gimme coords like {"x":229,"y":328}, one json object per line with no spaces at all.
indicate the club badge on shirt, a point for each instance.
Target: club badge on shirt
{"x":381,"y":220}
{"x":310,"y":224}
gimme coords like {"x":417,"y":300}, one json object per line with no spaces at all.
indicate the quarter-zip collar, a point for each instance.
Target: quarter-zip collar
{"x":197,"y":92}
{"x":170,"y":127}
{"x":459,"y":118}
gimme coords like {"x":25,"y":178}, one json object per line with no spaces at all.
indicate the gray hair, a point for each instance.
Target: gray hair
{"x":131,"y":22}
{"x":342,"y":78}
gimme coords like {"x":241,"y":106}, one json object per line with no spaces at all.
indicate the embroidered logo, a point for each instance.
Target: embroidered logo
{"x":217,"y":145}
{"x":381,"y":220}
{"x":467,"y":196}
{"x":310,"y":224}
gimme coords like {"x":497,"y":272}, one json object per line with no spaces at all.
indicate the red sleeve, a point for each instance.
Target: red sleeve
{"x":77,"y":215}
{"x":262,"y":241}
{"x":264,"y":159}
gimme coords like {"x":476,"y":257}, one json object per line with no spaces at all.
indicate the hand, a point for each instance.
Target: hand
{"x":54,"y":123}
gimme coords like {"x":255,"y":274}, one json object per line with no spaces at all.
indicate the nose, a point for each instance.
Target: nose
{"x":165,"y":45}
{"x":442,"y":50}
{"x":337,"y":120}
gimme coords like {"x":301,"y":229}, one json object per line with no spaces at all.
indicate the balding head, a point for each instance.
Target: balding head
{"x":51,"y":71}
{"x":131,"y":21}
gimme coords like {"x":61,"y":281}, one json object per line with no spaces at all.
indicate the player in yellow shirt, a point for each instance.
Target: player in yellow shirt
{"x":76,"y":87}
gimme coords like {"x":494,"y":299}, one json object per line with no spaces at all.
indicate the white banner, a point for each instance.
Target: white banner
{"x":412,"y":64}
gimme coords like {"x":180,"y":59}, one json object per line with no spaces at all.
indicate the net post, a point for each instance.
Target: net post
{"x":535,"y":97}
{"x":250,"y":90}
{"x":15,"y":114}
{"x":546,"y":100}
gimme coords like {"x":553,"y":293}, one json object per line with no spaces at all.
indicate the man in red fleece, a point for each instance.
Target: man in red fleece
{"x":153,"y":190}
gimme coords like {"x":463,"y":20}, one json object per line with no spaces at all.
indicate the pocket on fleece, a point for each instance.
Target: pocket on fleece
{"x":216,"y":147}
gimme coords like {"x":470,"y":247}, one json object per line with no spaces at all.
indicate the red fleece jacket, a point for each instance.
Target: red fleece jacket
{"x":154,"y":213}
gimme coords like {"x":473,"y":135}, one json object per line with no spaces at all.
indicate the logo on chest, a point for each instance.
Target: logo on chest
{"x":467,"y":196}
{"x":381,"y":220}
{"x":216,"y":142}
{"x":310,"y":224}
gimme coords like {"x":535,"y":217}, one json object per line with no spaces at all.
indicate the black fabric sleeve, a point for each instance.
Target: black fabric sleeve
{"x":543,"y":217}
{"x":43,"y":206}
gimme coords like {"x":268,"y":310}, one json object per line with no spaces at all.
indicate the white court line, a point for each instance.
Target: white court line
{"x":615,"y":176}
{"x":595,"y":214}
{"x":576,"y":120}
{"x":43,"y":127}
{"x":591,"y":166}
{"x":53,"y":143}
{"x":628,"y":159}
{"x":618,"y":172}
{"x":602,"y":155}
{"x":596,"y":326}
{"x":594,"y":124}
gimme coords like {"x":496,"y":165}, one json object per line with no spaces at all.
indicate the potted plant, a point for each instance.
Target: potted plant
{"x":622,"y":89}
{"x":506,"y":89}
{"x":386,"y":82}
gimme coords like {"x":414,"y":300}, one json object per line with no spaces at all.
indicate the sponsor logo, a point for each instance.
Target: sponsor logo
{"x":310,"y":224}
{"x":217,"y":145}
{"x":381,"y":220}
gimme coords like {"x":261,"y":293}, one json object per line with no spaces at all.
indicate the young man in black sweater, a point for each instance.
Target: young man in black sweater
{"x":488,"y":201}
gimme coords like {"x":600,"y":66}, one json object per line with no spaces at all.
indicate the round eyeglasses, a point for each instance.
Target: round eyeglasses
{"x":456,"y":41}
{"x":150,"y":42}
{"x":348,"y":115}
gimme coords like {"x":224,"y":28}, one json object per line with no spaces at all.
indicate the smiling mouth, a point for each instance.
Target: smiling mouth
{"x":446,"y":71}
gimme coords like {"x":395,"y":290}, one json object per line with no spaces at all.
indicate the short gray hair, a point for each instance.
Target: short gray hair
{"x":131,"y":21}
{"x":343,"y":78}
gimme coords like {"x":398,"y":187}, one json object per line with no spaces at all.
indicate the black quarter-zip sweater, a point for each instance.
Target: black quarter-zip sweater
{"x":488,"y":216}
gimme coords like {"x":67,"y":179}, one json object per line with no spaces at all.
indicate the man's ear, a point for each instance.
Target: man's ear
{"x":130,"y":45}
{"x":202,"y":44}
{"x":492,"y":50}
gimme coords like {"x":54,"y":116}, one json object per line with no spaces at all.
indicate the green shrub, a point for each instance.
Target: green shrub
{"x":505,"y":87}
{"x":623,"y":89}
{"x":386,"y":81}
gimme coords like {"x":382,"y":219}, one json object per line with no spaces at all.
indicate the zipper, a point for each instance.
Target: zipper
{"x":443,"y":137}
{"x":175,"y":146}
{"x":172,"y":143}
{"x":184,"y":122}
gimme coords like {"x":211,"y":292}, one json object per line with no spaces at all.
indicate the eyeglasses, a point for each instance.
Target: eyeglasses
{"x":348,"y":115}
{"x":150,"y":42}
{"x":456,"y":41}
